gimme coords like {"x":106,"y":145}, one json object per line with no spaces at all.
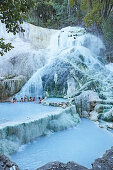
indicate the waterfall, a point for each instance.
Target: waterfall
{"x":68,"y":45}
{"x":33,"y":87}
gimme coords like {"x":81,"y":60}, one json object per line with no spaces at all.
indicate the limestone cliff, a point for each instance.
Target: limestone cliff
{"x":28,"y":55}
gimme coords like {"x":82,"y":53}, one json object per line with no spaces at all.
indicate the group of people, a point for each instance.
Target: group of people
{"x":27,"y":99}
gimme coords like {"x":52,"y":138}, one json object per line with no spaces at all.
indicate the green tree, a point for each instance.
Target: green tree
{"x":55,"y":13}
{"x":12,"y":14}
{"x":96,"y":10}
{"x":42,"y":12}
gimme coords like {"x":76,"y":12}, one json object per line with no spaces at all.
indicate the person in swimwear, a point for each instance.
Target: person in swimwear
{"x":39,"y":100}
{"x":14,"y":100}
{"x":21,"y":100}
{"x":25,"y":98}
{"x":34,"y":98}
{"x":30,"y":99}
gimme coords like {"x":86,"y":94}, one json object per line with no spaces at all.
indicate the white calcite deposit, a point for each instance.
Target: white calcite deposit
{"x":28,"y":55}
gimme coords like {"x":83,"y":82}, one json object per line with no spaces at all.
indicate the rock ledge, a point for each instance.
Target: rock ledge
{"x":6,"y":164}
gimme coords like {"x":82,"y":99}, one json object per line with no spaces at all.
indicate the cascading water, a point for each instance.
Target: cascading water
{"x":33,"y":87}
{"x":71,"y":64}
{"x":73,"y":46}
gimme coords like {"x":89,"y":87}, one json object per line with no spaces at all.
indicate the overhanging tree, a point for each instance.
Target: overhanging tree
{"x":12,"y":14}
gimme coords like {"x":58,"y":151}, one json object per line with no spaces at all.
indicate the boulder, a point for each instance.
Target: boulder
{"x":6,"y":164}
{"x":86,"y":102}
{"x":62,"y":166}
{"x":104,"y":163}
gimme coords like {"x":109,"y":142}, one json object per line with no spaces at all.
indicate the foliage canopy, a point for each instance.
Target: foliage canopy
{"x":96,"y":11}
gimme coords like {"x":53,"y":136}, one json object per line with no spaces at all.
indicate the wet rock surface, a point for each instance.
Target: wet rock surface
{"x":104,"y":163}
{"x":6,"y":164}
{"x":62,"y":166}
{"x":86,"y":102}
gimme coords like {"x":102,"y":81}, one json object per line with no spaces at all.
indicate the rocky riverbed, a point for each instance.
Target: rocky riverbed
{"x":104,"y":163}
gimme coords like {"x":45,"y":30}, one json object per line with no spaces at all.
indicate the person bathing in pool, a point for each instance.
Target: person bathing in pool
{"x":39,"y":100}
{"x":21,"y":100}
{"x":34,"y":98}
{"x":30,"y":99}
{"x":14,"y":100}
{"x":25,"y":98}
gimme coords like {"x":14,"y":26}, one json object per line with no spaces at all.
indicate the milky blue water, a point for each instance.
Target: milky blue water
{"x":18,"y":112}
{"x":82,"y":144}
{"x":56,"y":100}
